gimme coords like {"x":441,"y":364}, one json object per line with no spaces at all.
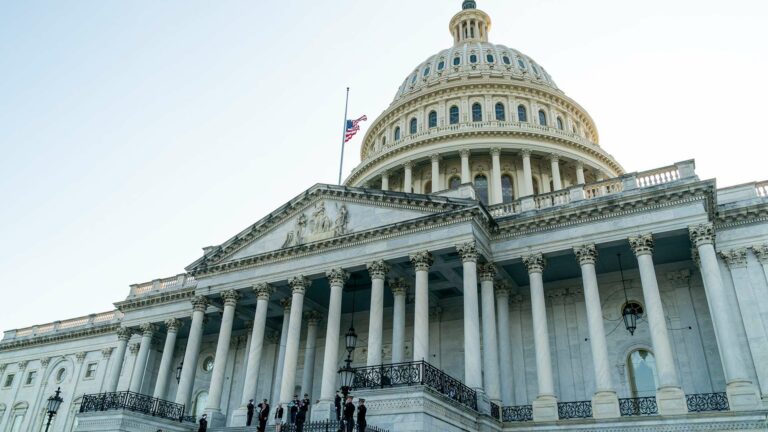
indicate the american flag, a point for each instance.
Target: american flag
{"x":353,"y":126}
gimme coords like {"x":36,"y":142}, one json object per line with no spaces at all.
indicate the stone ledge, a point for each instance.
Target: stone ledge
{"x":127,"y":421}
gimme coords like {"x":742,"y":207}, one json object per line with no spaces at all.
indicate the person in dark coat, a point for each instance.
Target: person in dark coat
{"x":301,"y":418}
{"x":294,"y":408}
{"x":337,"y":404}
{"x":305,"y":403}
{"x":250,"y":413}
{"x":279,"y":417}
{"x":203,"y":423}
{"x":361,"y":410}
{"x":263,"y":416}
{"x":349,"y":414}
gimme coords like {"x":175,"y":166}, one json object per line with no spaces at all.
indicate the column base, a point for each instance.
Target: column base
{"x":545,"y":408}
{"x":605,"y":404}
{"x":671,"y":401}
{"x":743,"y":396}
{"x":323,"y":411}
{"x":216,"y":418}
{"x":483,"y":403}
{"x":240,"y":417}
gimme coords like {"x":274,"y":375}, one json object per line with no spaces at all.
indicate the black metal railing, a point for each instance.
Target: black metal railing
{"x":495,"y":411}
{"x":326,"y":426}
{"x":134,"y":402}
{"x":414,"y":373}
{"x":572,"y":410}
{"x":638,"y":406}
{"x":707,"y":402}
{"x":517,"y":413}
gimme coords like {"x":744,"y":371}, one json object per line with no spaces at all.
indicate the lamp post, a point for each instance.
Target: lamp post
{"x":54,"y":402}
{"x":629,"y":313}
{"x":178,"y":371}
{"x":346,"y":373}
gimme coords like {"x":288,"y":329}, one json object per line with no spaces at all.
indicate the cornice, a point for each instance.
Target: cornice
{"x":734,"y":217}
{"x":59,"y":337}
{"x":162,"y":298}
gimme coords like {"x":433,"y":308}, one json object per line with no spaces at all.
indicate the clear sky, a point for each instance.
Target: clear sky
{"x":133,"y":133}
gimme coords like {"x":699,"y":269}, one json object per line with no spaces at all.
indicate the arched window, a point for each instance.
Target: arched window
{"x":642,"y":373}
{"x":426,"y":71}
{"x":521,"y":63}
{"x":500,"y":114}
{"x":456,"y":61}
{"x":428,"y":187}
{"x":415,"y":76}
{"x":490,"y":58}
{"x":397,"y":133}
{"x":507,"y":193}
{"x":454,"y":115}
{"x":454,"y":182}
{"x":535,"y":69}
{"x":560,"y":124}
{"x":535,"y":186}
{"x":441,"y":65}
{"x":473,"y":58}
{"x":522,"y":113}
{"x":542,"y":118}
{"x":506,"y":60}
{"x":383,"y":141}
{"x":199,"y":404}
{"x":481,"y":186}
{"x":432,"y":119}
{"x":414,"y":126}
{"x":477,"y":112}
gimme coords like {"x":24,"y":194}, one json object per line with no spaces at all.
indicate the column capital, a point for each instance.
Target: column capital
{"x":702,"y":234}
{"x":761,"y":252}
{"x":526,"y":153}
{"x":123,"y":333}
{"x":2,"y":367}
{"x":313,"y":318}
{"x":502,"y":289}
{"x":422,"y":260}
{"x":23,"y":364}
{"x":398,"y":286}
{"x":263,"y":291}
{"x":45,"y":361}
{"x":173,"y":325}
{"x":641,"y":244}
{"x":585,"y":254}
{"x":377,"y":269}
{"x":464,"y":153}
{"x":554,"y":157}
{"x":337,"y":276}
{"x":408,"y":164}
{"x":467,"y":251}
{"x":80,"y":356}
{"x":286,"y":304}
{"x":579,"y":163}
{"x":435,"y":157}
{"x":199,"y":304}
{"x":230,"y":297}
{"x":486,"y":272}
{"x":735,"y":258}
{"x":299,"y":284}
{"x":535,"y":263}
{"x":134,"y":348}
{"x":148,"y":329}
{"x":495,"y":151}
{"x":106,"y":353}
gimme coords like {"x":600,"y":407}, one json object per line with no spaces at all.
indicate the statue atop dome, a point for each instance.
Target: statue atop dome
{"x":469,"y":4}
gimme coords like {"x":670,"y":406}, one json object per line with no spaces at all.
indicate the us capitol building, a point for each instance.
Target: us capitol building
{"x":500,"y":269}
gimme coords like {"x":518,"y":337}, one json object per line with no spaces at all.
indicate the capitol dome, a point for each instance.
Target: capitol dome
{"x":484,"y":114}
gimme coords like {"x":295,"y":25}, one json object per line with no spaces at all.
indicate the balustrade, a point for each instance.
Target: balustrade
{"x":495,"y":411}
{"x":707,"y":402}
{"x":134,"y":402}
{"x":657,"y":176}
{"x":326,"y":426}
{"x":519,"y":413}
{"x":762,"y":189}
{"x":638,"y":406}
{"x":572,"y":410}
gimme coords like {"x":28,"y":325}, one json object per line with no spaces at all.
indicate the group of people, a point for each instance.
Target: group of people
{"x":348,"y":411}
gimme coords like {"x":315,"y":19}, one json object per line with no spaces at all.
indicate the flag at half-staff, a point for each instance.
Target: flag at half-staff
{"x":353,"y":127}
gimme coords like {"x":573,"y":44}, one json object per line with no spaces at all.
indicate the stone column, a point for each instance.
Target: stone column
{"x":473,"y":375}
{"x":192,"y":352}
{"x":496,"y":196}
{"x":669,"y":397}
{"x":336,"y":278}
{"x":527,"y":173}
{"x":554,"y":161}
{"x":378,"y":271}
{"x":172,"y":326}
{"x":255,"y":351}
{"x":213,"y":406}
{"x":286,"y":303}
{"x":545,"y":405}
{"x":408,"y":177}
{"x":605,"y":402}
{"x":505,"y":347}
{"x":492,"y":377}
{"x":123,"y":336}
{"x":421,"y":260}
{"x":761,"y":252}
{"x":140,"y":366}
{"x":308,"y":376}
{"x":299,"y":285}
{"x":399,"y":290}
{"x":580,"y":173}
{"x":466,"y":174}
{"x":742,"y":392}
{"x":436,"y":186}
{"x":385,"y":181}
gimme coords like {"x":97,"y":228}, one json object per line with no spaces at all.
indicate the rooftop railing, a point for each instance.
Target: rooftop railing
{"x":162,"y":285}
{"x":56,"y":326}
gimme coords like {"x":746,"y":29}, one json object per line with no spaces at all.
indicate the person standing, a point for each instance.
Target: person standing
{"x":361,"y":410}
{"x":294,"y":408}
{"x":337,"y":404}
{"x":203,"y":423}
{"x":263,"y":416}
{"x":250,"y":413}
{"x":301,"y":418}
{"x":305,"y":404}
{"x":279,"y":417}
{"x":349,"y":414}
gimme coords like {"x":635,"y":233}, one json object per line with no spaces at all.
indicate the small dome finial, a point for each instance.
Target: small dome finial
{"x":469,"y":4}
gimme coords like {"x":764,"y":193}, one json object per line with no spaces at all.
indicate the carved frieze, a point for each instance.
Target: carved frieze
{"x":317,"y":225}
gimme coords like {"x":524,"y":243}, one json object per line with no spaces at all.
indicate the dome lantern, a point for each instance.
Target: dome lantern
{"x":470,"y":25}
{"x":469,"y":4}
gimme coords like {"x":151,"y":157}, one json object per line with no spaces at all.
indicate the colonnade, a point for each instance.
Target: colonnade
{"x":494,"y":359}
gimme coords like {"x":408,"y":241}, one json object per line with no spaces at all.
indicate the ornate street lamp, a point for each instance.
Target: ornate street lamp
{"x":629,"y":313}
{"x":346,"y":372}
{"x":54,"y":402}
{"x":178,"y":371}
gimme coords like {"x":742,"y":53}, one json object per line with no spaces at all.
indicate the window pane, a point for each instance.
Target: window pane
{"x":477,"y":112}
{"x":414,"y":126}
{"x":428,"y":187}
{"x":642,"y":373}
{"x":455,"y":182}
{"x":456,"y":61}
{"x":560,"y":123}
{"x":490,"y":58}
{"x":473,"y":58}
{"x":522,"y":113}
{"x":506,"y":60}
{"x":542,"y":118}
{"x":481,"y":186}
{"x":507,"y":193}
{"x":397,"y":134}
{"x":433,"y":119}
{"x":521,"y":63}
{"x":441,"y":65}
{"x":426,"y":71}
{"x":454,"y":115}
{"x":500,"y":115}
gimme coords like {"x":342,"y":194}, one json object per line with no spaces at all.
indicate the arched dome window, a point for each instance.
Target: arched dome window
{"x":521,"y":63}
{"x":477,"y":112}
{"x":535,"y":69}
{"x":454,"y":182}
{"x":500,"y":113}
{"x":522,"y":113}
{"x":535,"y":186}
{"x":542,"y":118}
{"x":441,"y":65}
{"x":432,"y":119}
{"x":383,"y":141}
{"x":473,"y":58}
{"x":413,"y":79}
{"x":428,"y":187}
{"x":642,"y":373}
{"x":489,"y":58}
{"x":397,"y":133}
{"x":506,"y":60}
{"x":414,"y":126}
{"x":560,"y":124}
{"x":426,"y":71}
{"x":481,"y":186}
{"x":507,"y":193}
{"x":454,"y":115}
{"x":456,"y":60}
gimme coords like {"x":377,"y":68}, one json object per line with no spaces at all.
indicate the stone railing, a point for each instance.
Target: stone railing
{"x":327,"y":426}
{"x":603,"y":188}
{"x":134,"y":402}
{"x":66,"y":325}
{"x":657,"y":176}
{"x":161,"y":285}
{"x":761,"y":189}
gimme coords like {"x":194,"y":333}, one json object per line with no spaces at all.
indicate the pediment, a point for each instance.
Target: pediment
{"x":325,"y":212}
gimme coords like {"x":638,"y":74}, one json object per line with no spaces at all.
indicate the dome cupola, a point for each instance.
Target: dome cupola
{"x":470,"y":25}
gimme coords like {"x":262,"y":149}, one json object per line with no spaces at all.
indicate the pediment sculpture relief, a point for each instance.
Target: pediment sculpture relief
{"x":318,"y":226}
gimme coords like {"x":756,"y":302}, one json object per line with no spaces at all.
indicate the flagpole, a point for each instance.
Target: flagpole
{"x":343,"y":136}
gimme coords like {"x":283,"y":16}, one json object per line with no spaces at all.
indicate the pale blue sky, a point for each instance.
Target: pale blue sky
{"x":133,"y":133}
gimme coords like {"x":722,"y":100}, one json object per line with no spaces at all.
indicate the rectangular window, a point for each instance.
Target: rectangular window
{"x":30,"y":377}
{"x":90,"y":371}
{"x":9,"y":380}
